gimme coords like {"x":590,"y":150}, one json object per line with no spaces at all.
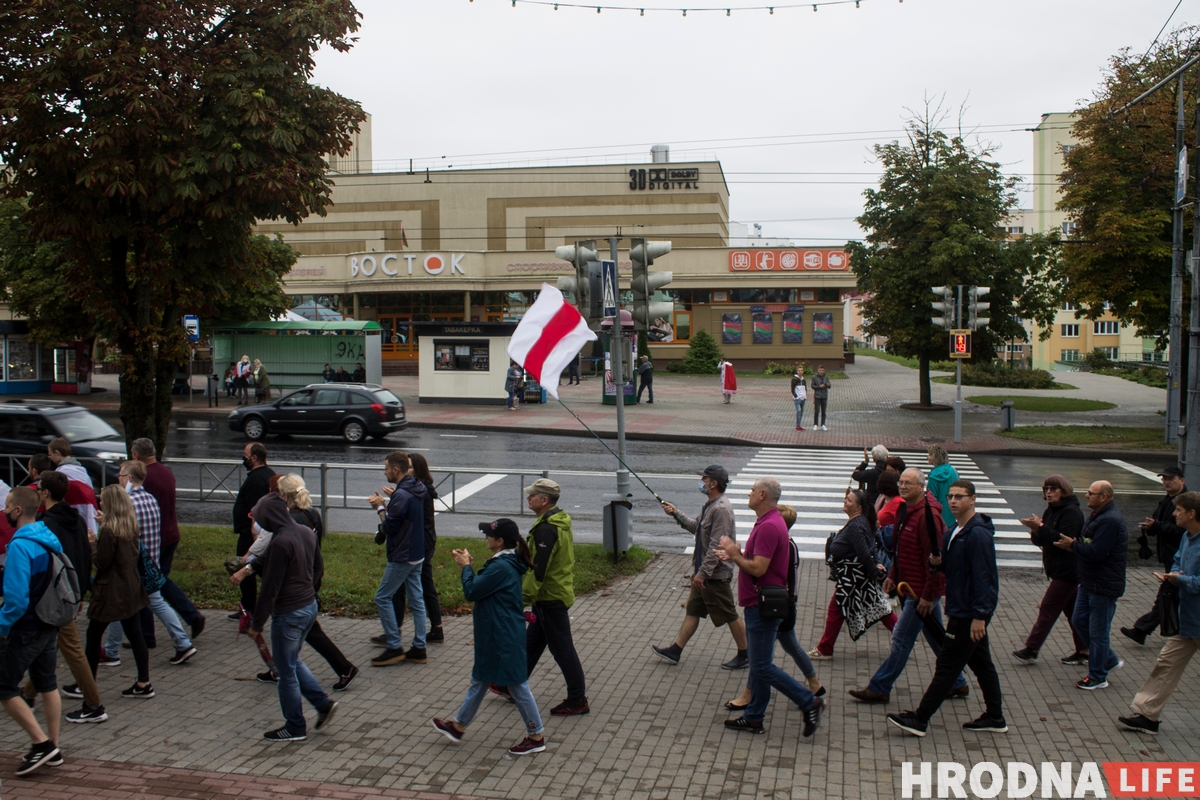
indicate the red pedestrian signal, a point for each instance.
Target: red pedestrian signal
{"x":960,"y":344}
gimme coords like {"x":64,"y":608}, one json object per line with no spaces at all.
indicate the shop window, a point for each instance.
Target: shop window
{"x":683,"y":326}
{"x":780,"y":295}
{"x":829,"y":295}
{"x":462,"y":356}
{"x":747,"y":296}
{"x":366,"y":301}
{"x":22,"y":360}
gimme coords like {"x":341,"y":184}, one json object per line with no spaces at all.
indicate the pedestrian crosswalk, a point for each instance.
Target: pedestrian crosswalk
{"x":814,"y":483}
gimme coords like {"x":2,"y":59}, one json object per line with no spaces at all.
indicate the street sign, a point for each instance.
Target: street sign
{"x":1181,"y":177}
{"x":608,"y":280}
{"x":960,"y":343}
{"x":191,"y":328}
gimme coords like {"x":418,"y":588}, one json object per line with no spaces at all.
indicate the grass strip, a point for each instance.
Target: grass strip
{"x":354,"y":564}
{"x":1149,"y":438}
{"x":1037,"y":403}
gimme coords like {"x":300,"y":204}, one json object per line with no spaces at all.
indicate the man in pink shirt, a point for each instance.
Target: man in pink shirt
{"x":765,"y":562}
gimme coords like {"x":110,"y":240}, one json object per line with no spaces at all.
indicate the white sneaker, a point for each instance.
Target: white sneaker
{"x":824,"y":428}
{"x":816,"y":655}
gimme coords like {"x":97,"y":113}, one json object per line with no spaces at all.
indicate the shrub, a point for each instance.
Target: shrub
{"x":775,"y":368}
{"x":1098,"y":359}
{"x":1003,"y":377}
{"x":703,"y":356}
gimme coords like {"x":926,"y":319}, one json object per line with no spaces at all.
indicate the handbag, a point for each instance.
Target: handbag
{"x":152,"y":577}
{"x":1168,"y":607}
{"x":774,"y":602}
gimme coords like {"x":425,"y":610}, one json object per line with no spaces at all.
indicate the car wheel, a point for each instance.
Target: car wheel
{"x":254,"y":428}
{"x":353,"y":431}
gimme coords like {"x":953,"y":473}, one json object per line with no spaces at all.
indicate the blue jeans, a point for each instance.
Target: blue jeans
{"x":799,"y":412}
{"x":395,"y":576}
{"x":644,"y":386}
{"x":288,"y":631}
{"x":1093,"y":620}
{"x":166,"y":615}
{"x":760,"y":642}
{"x":512,"y":398}
{"x":519,"y":693}
{"x":904,"y":636}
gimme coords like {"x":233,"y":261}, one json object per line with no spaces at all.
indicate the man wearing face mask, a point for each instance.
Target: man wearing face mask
{"x":254,"y":488}
{"x":712,"y":578}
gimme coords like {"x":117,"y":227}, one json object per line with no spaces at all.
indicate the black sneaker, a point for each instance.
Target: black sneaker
{"x":109,"y":661}
{"x":88,"y":714}
{"x":72,"y":690}
{"x":987,"y":724}
{"x":812,"y":717}
{"x":181,"y":656}
{"x":343,"y":682}
{"x":1075,"y":659}
{"x":436,"y":635}
{"x":235,"y":615}
{"x":909,"y":723}
{"x":326,"y":716}
{"x":1139,"y":723}
{"x":571,"y":708}
{"x":668,"y":654}
{"x":38,"y":755}
{"x":416,"y":655}
{"x":737,"y":662}
{"x":1135,"y":634}
{"x":388,"y":657}
{"x":55,"y":760}
{"x":1025,"y":656}
{"x":447,"y":730}
{"x":267,"y":677}
{"x":198,"y":625}
{"x":379,"y":640}
{"x":139,"y":692}
{"x":742,"y":724}
{"x":283,"y":735}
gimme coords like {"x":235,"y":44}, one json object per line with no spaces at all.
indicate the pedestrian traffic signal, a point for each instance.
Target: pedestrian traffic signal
{"x":960,"y":344}
{"x":943,"y":307}
{"x":585,"y":284}
{"x":975,"y":308}
{"x":646,"y":283}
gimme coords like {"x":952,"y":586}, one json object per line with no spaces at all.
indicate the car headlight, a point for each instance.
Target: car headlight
{"x":234,"y":414}
{"x":111,"y":456}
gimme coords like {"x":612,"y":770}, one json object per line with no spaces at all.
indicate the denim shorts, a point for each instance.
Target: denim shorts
{"x":32,"y":651}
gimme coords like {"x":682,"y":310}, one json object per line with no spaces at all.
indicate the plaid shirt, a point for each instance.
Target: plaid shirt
{"x":149,"y":520}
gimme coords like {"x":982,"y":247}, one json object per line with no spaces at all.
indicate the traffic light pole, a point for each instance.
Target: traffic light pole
{"x":618,"y":379}
{"x":958,"y":306}
{"x":1175,"y":370}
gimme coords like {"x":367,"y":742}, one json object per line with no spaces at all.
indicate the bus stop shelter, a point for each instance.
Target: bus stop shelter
{"x":295,"y":353}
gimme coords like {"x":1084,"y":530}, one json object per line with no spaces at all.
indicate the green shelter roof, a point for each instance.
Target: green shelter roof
{"x":307,"y":325}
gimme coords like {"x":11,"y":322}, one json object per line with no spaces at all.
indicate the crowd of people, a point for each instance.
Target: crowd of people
{"x":898,"y":546}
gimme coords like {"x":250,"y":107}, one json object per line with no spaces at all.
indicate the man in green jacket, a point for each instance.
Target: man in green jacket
{"x":550,"y":589}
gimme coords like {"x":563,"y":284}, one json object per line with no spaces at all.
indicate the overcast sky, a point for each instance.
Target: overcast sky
{"x":485,"y":83}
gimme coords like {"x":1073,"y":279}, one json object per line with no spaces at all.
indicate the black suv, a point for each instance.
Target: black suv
{"x":27,"y":426}
{"x":350,"y":410}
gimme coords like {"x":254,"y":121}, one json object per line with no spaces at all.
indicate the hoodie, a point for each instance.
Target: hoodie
{"x":26,"y":576}
{"x":292,"y":565}
{"x":404,"y":522}
{"x":64,"y":523}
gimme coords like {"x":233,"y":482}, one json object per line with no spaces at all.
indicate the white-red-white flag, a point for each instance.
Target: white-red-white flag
{"x":551,"y":333}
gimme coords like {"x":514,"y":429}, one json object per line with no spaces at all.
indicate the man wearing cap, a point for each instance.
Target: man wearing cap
{"x":1162,"y":525}
{"x":712,"y":578}
{"x":550,"y":589}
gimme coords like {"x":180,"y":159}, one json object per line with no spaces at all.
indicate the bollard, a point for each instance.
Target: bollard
{"x":1008,"y":415}
{"x":618,"y":519}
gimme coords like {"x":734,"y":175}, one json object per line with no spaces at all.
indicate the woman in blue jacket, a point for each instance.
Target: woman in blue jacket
{"x":499,"y":621}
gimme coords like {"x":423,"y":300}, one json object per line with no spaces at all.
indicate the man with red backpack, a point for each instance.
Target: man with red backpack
{"x":917,"y":547}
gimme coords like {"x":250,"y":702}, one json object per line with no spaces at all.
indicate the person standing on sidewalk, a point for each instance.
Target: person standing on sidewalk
{"x":972,"y":593}
{"x":262,"y":383}
{"x":549,"y":588}
{"x":291,"y":570}
{"x":918,"y":538}
{"x":244,"y":371}
{"x":712,"y":579}
{"x":1062,"y":515}
{"x":765,"y":562}
{"x":645,"y":378}
{"x":499,"y":626}
{"x":1184,"y":578}
{"x":1168,"y":537}
{"x":728,"y":380}
{"x":820,"y":387}
{"x":419,"y":469}
{"x":160,"y":483}
{"x":256,"y":485}
{"x":512,"y":380}
{"x":26,"y":643}
{"x":799,"y":392}
{"x":1101,"y":551}
{"x":402,"y":529}
{"x":573,"y":370}
{"x":72,"y":535}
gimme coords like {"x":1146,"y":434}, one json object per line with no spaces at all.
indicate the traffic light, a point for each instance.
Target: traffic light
{"x":645,"y":283}
{"x":585,"y":284}
{"x":960,"y":343}
{"x":975,"y":308}
{"x":943,"y":308}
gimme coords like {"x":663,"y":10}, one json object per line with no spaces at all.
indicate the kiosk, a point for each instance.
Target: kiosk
{"x":463,"y":362}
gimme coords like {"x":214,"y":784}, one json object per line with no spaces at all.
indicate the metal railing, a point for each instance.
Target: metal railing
{"x":15,"y":468}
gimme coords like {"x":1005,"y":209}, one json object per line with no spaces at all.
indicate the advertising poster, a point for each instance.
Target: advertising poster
{"x":793,"y":327}
{"x":762,"y":328}
{"x":823,"y":327}
{"x":731,"y":328}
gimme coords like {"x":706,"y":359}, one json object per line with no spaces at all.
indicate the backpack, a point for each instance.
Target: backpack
{"x":59,"y":604}
{"x":793,"y":579}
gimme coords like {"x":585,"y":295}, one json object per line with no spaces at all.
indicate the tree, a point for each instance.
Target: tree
{"x":702,"y":356}
{"x":937,"y":220}
{"x":1119,"y":188}
{"x":147,"y":139}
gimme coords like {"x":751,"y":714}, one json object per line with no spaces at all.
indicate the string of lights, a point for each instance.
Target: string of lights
{"x":728,"y":10}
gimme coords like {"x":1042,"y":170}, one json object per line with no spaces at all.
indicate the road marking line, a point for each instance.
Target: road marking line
{"x":1145,"y":473}
{"x":474,"y":487}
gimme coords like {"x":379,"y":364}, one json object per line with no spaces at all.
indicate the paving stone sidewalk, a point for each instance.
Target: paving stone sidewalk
{"x":654,"y":731}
